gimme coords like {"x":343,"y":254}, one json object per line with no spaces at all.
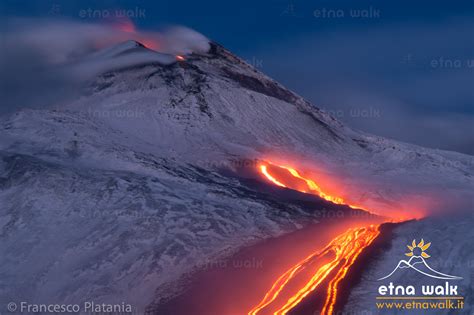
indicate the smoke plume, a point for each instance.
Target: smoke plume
{"x":46,"y":61}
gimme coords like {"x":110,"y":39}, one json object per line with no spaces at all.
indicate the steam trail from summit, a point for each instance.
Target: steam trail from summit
{"x":41,"y":55}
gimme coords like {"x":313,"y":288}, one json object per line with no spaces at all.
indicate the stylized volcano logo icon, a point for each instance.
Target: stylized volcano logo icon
{"x":418,"y":263}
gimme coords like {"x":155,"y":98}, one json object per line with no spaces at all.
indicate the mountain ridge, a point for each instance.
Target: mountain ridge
{"x":130,"y":176}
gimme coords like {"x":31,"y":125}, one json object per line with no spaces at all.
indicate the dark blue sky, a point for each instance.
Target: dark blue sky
{"x":404,"y":69}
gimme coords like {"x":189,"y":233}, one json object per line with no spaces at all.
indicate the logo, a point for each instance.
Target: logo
{"x":438,"y":295}
{"x":417,"y":262}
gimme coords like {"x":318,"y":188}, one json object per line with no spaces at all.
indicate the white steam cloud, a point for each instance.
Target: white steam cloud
{"x":45,"y":61}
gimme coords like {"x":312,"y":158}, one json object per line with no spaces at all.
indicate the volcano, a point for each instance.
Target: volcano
{"x":117,"y":195}
{"x":419,"y":264}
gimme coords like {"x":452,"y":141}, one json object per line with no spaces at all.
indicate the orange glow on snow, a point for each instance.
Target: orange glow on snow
{"x":334,"y":260}
{"x":344,"y":250}
{"x":180,"y":58}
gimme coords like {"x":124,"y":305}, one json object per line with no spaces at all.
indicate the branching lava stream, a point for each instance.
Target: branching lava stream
{"x":326,"y":267}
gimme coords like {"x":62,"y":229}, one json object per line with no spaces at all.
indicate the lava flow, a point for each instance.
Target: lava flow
{"x":309,"y":185}
{"x":323,"y":268}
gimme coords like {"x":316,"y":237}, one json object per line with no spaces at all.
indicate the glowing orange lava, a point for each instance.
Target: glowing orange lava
{"x":264,"y":170}
{"x":333,"y":261}
{"x":343,"y":251}
{"x":311,"y":186}
{"x":180,"y":58}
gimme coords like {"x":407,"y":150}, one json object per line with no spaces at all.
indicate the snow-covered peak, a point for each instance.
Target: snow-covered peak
{"x":115,"y":50}
{"x":120,"y":56}
{"x":128,"y":174}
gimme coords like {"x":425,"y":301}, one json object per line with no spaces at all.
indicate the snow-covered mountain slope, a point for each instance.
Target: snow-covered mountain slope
{"x":120,"y":190}
{"x":217,"y":106}
{"x":73,"y":233}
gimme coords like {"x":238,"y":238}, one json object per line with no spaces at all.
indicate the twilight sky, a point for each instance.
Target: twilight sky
{"x":400,"y":69}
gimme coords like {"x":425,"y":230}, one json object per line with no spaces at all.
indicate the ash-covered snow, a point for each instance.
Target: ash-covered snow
{"x":118,"y":194}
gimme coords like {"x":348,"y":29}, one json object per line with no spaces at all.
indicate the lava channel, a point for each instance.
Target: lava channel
{"x":329,"y":265}
{"x":301,"y":184}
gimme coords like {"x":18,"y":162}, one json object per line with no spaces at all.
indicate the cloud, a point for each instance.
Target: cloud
{"x":413,"y":82}
{"x":46,"y":61}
